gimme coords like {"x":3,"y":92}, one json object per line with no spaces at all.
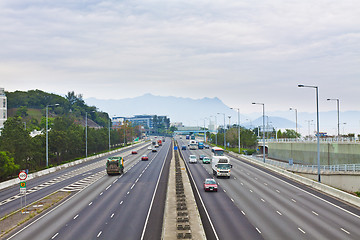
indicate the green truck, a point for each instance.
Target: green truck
{"x":115,"y":165}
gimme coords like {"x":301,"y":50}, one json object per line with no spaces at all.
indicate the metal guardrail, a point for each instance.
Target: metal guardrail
{"x":311,"y":168}
{"x":310,"y":140}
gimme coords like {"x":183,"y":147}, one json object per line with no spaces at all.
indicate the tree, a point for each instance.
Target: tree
{"x":16,"y":140}
{"x":22,"y":111}
{"x":7,"y":165}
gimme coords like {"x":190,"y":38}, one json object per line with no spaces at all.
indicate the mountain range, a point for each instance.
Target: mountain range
{"x":192,"y":112}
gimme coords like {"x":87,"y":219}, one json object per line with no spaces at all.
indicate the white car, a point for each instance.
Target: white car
{"x":192,"y":159}
{"x":149,"y":148}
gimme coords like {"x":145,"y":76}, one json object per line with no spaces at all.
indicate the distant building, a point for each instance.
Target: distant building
{"x":147,"y":121}
{"x":176,"y":124}
{"x":3,"y":107}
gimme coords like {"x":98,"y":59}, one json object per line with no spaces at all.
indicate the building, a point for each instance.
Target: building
{"x":147,"y":121}
{"x":3,"y":107}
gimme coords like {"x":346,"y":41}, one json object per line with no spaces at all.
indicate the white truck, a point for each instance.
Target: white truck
{"x":221,"y":166}
{"x":193,"y":145}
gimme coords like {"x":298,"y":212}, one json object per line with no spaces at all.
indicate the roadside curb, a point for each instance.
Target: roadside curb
{"x":31,"y":176}
{"x":319,"y":186}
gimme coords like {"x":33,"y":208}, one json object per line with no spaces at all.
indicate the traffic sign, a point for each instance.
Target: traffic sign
{"x":22,"y":176}
{"x":23,"y":191}
{"x":22,"y":184}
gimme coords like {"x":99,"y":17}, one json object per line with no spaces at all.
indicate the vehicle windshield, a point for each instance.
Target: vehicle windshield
{"x":206,"y":158}
{"x":224,"y":166}
{"x":219,"y":153}
{"x":210,"y":181}
{"x":192,"y":156}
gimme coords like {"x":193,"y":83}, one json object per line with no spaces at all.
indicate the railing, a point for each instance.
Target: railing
{"x":323,"y":140}
{"x":312,"y":168}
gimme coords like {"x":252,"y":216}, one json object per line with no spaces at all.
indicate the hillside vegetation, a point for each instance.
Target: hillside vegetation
{"x":67,"y":141}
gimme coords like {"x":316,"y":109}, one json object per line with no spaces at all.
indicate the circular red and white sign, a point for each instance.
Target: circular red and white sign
{"x":22,"y":175}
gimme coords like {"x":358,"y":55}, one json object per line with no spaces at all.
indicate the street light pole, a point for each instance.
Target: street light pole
{"x":47,"y":132}
{"x":317,"y":127}
{"x":296,"y":129}
{"x":263,"y":128}
{"x":109,"y":134}
{"x":86,"y":148}
{"x":338,"y":114}
{"x":238,"y":109}
{"x":224,"y":131}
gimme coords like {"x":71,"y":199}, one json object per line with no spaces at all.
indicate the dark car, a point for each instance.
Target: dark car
{"x":183,"y":147}
{"x":210,"y":185}
{"x":134,"y":152}
{"x":206,"y":146}
{"x":201,"y":157}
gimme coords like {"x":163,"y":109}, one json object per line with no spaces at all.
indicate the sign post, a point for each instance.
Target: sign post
{"x":22,"y":177}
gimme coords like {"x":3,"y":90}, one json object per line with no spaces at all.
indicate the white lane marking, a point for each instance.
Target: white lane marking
{"x":128,"y":192}
{"x":112,"y":215}
{"x":235,"y":178}
{"x":108,"y":187}
{"x":345,"y":231}
{"x":76,"y":216}
{"x":232,"y":199}
{"x":242,"y":212}
{"x":99,"y":234}
{"x":137,"y":180}
{"x":132,"y":186}
{"x":302,"y":190}
{"x":121,"y":202}
{"x":277,"y":191}
{"x":101,"y":193}
{"x":279,"y":213}
{"x":140,"y":175}
{"x":256,"y":178}
{"x":115,"y":181}
{"x":251,"y":190}
{"x":90,"y":204}
{"x":241,"y":183}
{"x":265,"y":184}
{"x":301,"y":230}
{"x":224,"y":190}
{"x":315,"y":213}
{"x":258,"y":230}
{"x":293,"y":200}
{"x":55,"y":235}
{"x":263,"y":200}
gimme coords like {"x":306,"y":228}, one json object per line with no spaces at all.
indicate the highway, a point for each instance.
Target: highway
{"x":40,"y":187}
{"x":112,"y":206}
{"x":276,"y":207}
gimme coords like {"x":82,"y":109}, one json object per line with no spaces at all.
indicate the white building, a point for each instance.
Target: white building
{"x":3,"y":107}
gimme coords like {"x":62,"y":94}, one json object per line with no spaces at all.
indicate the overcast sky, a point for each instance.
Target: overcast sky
{"x":239,"y":51}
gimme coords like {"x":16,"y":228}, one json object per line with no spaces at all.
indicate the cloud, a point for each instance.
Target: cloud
{"x":239,"y":51}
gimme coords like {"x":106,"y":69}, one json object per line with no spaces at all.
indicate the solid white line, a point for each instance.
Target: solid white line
{"x":202,"y":203}
{"x":76,"y":216}
{"x":153,"y":197}
{"x":99,"y":234}
{"x":258,"y":230}
{"x":315,"y":213}
{"x":301,"y":230}
{"x":313,"y":195}
{"x":345,"y":231}
{"x":55,"y":235}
